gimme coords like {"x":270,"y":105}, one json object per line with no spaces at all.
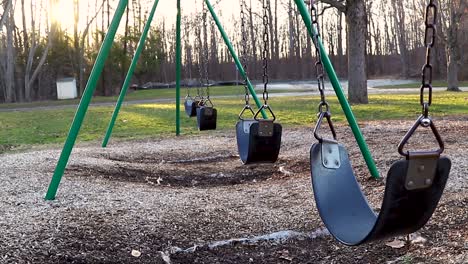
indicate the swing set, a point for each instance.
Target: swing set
{"x":413,"y":187}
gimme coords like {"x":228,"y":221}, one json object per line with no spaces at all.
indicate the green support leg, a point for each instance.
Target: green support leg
{"x":339,"y":93}
{"x":178,"y":67}
{"x":234,"y":56}
{"x":84,"y":103}
{"x":129,"y":76}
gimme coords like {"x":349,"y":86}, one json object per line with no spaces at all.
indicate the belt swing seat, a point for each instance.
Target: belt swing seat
{"x":413,"y":187}
{"x":191,"y":105}
{"x":258,"y":139}
{"x":206,"y":115}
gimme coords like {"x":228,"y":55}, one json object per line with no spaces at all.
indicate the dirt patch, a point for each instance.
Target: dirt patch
{"x":175,"y":170}
{"x":6,"y":147}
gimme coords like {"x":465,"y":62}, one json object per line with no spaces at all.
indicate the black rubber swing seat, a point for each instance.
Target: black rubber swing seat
{"x":345,"y":210}
{"x":258,"y":141}
{"x":191,"y":107}
{"x":206,"y":117}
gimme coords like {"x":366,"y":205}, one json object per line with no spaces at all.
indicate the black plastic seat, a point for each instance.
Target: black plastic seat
{"x":206,"y":117}
{"x":191,"y":106}
{"x":345,"y":210}
{"x":258,"y":141}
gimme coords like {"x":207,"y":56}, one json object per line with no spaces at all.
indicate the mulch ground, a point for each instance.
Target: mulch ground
{"x":190,"y":200}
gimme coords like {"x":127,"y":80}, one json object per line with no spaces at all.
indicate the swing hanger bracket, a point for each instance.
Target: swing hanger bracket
{"x":331,"y":154}
{"x":265,"y":107}
{"x":422,"y":167}
{"x":424,"y":122}
{"x":247,"y":108}
{"x":324,"y":115}
{"x":265,"y":128}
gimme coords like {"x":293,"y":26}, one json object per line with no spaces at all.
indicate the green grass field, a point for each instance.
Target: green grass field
{"x":440,"y":84}
{"x":24,"y":128}
{"x":143,"y":95}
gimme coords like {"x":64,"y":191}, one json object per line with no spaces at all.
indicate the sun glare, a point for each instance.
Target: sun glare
{"x":62,"y":13}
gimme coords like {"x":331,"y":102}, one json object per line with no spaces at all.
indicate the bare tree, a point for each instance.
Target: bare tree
{"x":400,"y":28}
{"x":356,"y":19}
{"x":80,"y":41}
{"x":253,"y":37}
{"x":452,"y":13}
{"x":6,"y":6}
{"x":31,"y":45}
{"x":9,"y":64}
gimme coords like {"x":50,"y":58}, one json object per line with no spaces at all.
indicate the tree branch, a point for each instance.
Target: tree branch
{"x":338,"y":4}
{"x":9,"y":4}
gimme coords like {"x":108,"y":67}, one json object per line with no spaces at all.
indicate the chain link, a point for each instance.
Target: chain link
{"x":319,"y":70}
{"x":244,"y":51}
{"x":427,"y":70}
{"x":266,"y":40}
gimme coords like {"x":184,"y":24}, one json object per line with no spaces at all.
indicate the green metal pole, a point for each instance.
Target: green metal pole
{"x":339,"y":93}
{"x":129,"y":76}
{"x":234,"y":56}
{"x":86,"y":98}
{"x":178,"y":67}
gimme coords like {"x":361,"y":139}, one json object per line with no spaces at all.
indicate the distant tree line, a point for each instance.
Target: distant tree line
{"x":377,"y":38}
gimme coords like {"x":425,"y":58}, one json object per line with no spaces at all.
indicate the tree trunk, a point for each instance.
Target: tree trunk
{"x":10,"y":61}
{"x":276,"y":37}
{"x":452,"y":70}
{"x":453,"y":46}
{"x":454,"y":59}
{"x":6,"y":10}
{"x":76,"y":40}
{"x":399,"y":19}
{"x":357,"y":32}
{"x":291,"y":30}
{"x":340,"y":52}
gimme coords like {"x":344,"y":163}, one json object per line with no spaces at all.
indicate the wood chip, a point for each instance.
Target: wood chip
{"x":397,"y":244}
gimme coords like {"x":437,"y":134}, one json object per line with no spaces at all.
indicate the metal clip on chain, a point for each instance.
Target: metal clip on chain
{"x":324,"y":107}
{"x":424,"y":120}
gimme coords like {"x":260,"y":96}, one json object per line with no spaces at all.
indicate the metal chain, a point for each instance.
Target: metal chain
{"x":425,"y":100}
{"x":429,"y":42}
{"x":187,"y":75}
{"x":320,"y":73}
{"x":244,"y":51}
{"x":266,"y":40}
{"x":200,"y":63}
{"x":206,"y":53}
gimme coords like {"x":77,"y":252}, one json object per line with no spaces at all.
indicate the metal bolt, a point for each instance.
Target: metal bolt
{"x":337,"y":163}
{"x":426,"y":122}
{"x":325,"y":162}
{"x":410,"y":183}
{"x":428,"y":181}
{"x":330,"y":151}
{"x":421,"y":168}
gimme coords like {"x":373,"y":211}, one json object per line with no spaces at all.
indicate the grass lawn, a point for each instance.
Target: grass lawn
{"x":418,"y":85}
{"x":20,"y":129}
{"x":145,"y":95}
